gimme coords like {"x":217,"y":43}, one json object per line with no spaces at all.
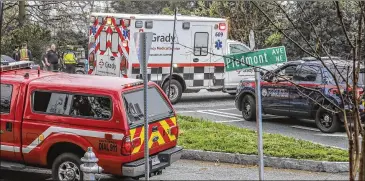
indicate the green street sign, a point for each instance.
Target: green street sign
{"x":257,"y":58}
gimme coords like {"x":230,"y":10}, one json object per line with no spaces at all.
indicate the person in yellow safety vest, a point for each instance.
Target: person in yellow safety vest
{"x":69,"y":59}
{"x":24,"y":53}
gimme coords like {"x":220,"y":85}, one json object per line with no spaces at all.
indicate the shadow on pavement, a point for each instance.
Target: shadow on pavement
{"x":195,"y":97}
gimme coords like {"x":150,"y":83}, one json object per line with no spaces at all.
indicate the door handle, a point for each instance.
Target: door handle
{"x":195,"y":60}
{"x":9,"y":126}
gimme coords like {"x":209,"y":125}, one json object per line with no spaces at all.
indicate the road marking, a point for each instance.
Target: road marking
{"x":205,"y":112}
{"x":306,"y":128}
{"x":184,"y":112}
{"x":230,"y":121}
{"x":226,"y":109}
{"x":226,"y":113}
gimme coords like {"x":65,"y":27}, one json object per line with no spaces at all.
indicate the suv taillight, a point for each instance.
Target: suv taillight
{"x":128,"y":145}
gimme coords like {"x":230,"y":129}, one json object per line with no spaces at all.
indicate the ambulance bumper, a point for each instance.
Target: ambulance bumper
{"x":166,"y":158}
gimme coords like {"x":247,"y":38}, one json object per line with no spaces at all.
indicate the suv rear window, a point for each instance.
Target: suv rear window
{"x":158,"y":108}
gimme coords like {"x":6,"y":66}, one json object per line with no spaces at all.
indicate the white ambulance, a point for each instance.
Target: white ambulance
{"x":200,"y":43}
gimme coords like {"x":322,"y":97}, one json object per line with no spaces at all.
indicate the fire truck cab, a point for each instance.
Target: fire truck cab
{"x":49,"y":119}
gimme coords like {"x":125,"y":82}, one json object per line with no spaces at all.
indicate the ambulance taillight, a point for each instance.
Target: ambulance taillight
{"x":222,"y":26}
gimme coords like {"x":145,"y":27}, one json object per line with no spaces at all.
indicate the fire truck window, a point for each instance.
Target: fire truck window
{"x":51,"y":102}
{"x":6,"y":91}
{"x":201,"y":40}
{"x":158,"y":108}
{"x":115,"y":42}
{"x":102,"y":41}
{"x":91,"y":106}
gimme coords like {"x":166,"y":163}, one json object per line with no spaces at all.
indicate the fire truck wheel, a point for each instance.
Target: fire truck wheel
{"x":176,"y":90}
{"x":248,"y":108}
{"x":67,"y":167}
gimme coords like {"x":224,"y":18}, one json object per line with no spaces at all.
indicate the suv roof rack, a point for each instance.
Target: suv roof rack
{"x":6,"y":66}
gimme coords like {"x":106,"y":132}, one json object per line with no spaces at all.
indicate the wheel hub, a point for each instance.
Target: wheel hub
{"x":173,"y":92}
{"x":68,"y":171}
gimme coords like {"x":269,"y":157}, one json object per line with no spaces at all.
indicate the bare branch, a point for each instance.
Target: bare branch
{"x":340,"y":16}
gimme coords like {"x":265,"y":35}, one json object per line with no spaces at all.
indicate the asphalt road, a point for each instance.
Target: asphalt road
{"x":194,"y":170}
{"x":219,"y":107}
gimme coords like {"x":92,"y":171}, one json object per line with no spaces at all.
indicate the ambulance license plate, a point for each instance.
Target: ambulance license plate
{"x":155,"y":160}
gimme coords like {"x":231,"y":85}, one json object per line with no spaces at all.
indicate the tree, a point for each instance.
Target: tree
{"x":348,"y":105}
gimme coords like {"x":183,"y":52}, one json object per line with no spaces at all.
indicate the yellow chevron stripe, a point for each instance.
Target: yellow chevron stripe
{"x":173,"y":119}
{"x":166,"y":127}
{"x":141,"y":136}
{"x":132,"y":132}
{"x":160,"y":139}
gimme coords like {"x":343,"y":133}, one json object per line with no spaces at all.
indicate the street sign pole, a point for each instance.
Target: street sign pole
{"x":258,"y":112}
{"x":143,"y":43}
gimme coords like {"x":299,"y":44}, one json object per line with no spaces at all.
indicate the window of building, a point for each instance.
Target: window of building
{"x":201,"y":41}
{"x":6,"y":92}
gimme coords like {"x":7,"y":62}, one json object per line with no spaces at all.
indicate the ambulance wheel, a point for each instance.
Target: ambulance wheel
{"x":248,"y":108}
{"x":326,"y":121}
{"x":67,"y":167}
{"x":176,"y":90}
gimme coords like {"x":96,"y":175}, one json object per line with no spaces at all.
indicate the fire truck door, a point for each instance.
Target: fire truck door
{"x":8,"y":146}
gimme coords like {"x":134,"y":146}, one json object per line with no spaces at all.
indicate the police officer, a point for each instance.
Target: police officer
{"x":24,"y":53}
{"x":69,"y":59}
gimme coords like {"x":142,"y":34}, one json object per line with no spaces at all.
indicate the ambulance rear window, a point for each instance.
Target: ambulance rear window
{"x":201,"y":40}
{"x":158,"y":108}
{"x":102,"y":41}
{"x":115,"y":42}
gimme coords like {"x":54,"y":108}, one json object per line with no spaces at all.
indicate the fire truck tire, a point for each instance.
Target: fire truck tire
{"x":67,"y":165}
{"x":326,"y":121}
{"x":248,"y":108}
{"x":176,"y":90}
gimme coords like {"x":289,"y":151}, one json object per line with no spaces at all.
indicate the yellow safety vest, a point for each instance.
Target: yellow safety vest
{"x":24,"y":54}
{"x":69,"y":58}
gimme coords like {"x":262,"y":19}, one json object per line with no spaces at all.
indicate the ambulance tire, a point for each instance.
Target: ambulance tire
{"x":177,"y":88}
{"x":248,"y":108}
{"x":66,"y":159}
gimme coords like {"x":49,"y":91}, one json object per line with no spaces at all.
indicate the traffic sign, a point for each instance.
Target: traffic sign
{"x":257,"y":58}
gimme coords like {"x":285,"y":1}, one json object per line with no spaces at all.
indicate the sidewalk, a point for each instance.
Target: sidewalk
{"x":197,"y":170}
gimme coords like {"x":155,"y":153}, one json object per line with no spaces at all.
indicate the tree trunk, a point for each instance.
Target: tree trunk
{"x":362,"y":161}
{"x":21,"y":16}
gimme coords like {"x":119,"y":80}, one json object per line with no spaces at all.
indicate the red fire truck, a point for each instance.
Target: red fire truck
{"x":49,"y":120}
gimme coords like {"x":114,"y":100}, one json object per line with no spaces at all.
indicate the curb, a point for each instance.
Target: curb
{"x":275,"y":162}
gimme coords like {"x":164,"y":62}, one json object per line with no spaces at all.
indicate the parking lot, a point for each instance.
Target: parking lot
{"x":219,"y":107}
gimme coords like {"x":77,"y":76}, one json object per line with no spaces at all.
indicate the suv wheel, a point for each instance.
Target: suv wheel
{"x":248,"y":108}
{"x":326,"y":121}
{"x":67,"y":167}
{"x":176,"y":90}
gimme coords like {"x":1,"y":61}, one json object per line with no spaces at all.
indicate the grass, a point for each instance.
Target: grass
{"x":204,"y":135}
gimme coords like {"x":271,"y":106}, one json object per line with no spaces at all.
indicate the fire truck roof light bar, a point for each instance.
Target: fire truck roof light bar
{"x":16,"y":66}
